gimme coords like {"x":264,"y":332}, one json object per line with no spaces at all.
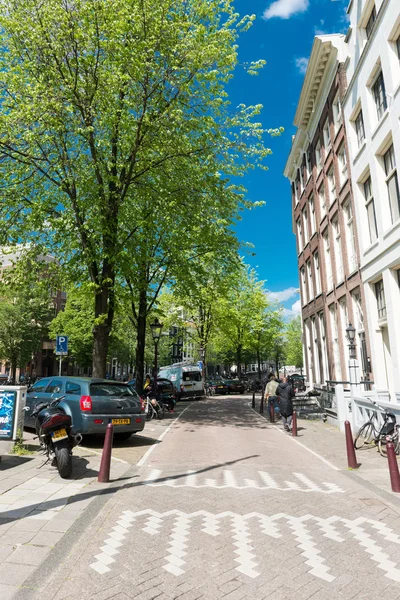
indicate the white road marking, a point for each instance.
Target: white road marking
{"x":321,"y":458}
{"x":164,"y":433}
{"x":360,"y":529}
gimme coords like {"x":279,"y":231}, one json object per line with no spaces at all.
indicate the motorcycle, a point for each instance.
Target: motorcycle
{"x":53,"y":427}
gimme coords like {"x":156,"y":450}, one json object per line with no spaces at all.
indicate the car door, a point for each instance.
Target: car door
{"x":35,"y":395}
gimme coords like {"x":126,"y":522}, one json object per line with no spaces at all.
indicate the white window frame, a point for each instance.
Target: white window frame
{"x":318,"y":155}
{"x":370,"y":209}
{"x":389,"y":165}
{"x":328,"y":261}
{"x":317,"y":371}
{"x":317,"y":273}
{"x":300,"y":234}
{"x":337,"y":113}
{"x":326,"y":134}
{"x":335,"y":342}
{"x":338,"y":250}
{"x":370,"y":22}
{"x":350,"y":236}
{"x":331,"y":185}
{"x":310,"y":280}
{"x":379,"y":95}
{"x":303,"y":283}
{"x":322,"y":332}
{"x":359,"y":128}
{"x":322,"y":201}
{"x":304,"y":214}
{"x":342,"y":163}
{"x":313,"y":222}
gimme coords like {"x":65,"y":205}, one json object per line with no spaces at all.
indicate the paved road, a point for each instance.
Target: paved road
{"x":228,"y":506}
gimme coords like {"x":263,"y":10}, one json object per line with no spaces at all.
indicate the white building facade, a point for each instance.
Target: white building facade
{"x":372,"y":116}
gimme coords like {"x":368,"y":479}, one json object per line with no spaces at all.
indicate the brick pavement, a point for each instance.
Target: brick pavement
{"x":227,"y":507}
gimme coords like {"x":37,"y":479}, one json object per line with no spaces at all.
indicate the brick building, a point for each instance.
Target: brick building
{"x":323,"y":219}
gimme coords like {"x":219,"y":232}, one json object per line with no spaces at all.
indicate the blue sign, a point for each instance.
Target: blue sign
{"x":62,"y":345}
{"x":200,"y":363}
{"x":8,"y":402}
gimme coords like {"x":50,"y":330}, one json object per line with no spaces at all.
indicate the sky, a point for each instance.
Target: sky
{"x":283,"y":35}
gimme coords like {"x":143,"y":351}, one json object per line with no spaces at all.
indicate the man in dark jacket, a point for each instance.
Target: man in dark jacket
{"x":285,"y":394}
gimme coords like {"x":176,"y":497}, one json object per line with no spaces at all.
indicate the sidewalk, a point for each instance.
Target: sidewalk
{"x":329,"y":443}
{"x":38,"y":509}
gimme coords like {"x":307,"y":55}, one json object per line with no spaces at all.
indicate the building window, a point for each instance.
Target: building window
{"x":310,"y":280}
{"x":380,"y":98}
{"x":392,"y":183}
{"x":338,"y":250}
{"x":299,"y":235}
{"x":312,"y":215}
{"x":317,"y":374}
{"x":317,"y":274}
{"x":308,"y":164}
{"x":370,"y":23}
{"x":318,"y":155}
{"x":326,"y":136}
{"x":322,"y":201}
{"x":335,"y":342}
{"x":301,"y":177}
{"x":380,"y":299}
{"x":328,"y":262}
{"x":331,"y":186}
{"x":342,"y":164}
{"x":360,"y":131}
{"x":370,"y":208}
{"x":305,"y":225}
{"x":350,"y":237}
{"x":304,"y":289}
{"x":324,"y":355}
{"x":337,"y":113}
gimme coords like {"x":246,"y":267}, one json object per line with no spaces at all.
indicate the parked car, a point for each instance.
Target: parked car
{"x":221,"y":387}
{"x":235,"y":386}
{"x":91,"y":403}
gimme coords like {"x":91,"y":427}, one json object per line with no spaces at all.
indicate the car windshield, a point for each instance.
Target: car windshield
{"x":112,"y":390}
{"x":191,"y":376}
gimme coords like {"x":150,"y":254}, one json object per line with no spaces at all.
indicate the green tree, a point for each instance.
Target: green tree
{"x":294,"y":342}
{"x":111,"y":111}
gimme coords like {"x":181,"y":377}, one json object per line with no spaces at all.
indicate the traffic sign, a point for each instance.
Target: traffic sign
{"x":200,"y":364}
{"x":62,"y":345}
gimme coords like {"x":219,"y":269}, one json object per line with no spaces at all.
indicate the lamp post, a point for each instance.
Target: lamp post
{"x":351,"y":337}
{"x":156,"y":328}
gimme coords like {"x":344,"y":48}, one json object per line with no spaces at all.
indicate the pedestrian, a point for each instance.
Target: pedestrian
{"x":285,"y":394}
{"x":270,"y":392}
{"x":147,"y":383}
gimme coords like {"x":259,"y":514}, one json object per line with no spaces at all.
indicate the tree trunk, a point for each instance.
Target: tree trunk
{"x":13,"y":372}
{"x":239,"y":361}
{"x":141,"y":341}
{"x":259,"y":364}
{"x":104,"y":313}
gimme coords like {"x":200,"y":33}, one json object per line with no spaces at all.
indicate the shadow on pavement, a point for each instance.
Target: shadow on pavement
{"x":41,"y":506}
{"x":10,"y":461}
{"x":232,"y":412}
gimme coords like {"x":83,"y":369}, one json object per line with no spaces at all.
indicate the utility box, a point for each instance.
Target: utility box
{"x":12,"y":403}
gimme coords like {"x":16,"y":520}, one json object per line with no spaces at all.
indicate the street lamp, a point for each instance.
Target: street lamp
{"x":156,"y":328}
{"x":351,"y":337}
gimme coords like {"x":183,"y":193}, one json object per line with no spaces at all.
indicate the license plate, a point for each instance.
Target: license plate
{"x":60,"y":434}
{"x":121,"y":421}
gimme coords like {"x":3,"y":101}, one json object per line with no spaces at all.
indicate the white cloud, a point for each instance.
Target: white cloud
{"x":284,"y":295}
{"x":295,"y":311}
{"x":283,"y":9}
{"x":301,"y":63}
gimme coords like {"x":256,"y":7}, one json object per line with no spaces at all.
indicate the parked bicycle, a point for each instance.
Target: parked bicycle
{"x":372,"y":433}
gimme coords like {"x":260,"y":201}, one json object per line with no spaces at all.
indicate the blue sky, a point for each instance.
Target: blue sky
{"x":283,"y":35}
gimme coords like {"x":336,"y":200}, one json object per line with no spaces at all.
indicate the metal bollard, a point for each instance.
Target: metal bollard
{"x":253,"y":402}
{"x":351,"y":453}
{"x":294,"y":424}
{"x":105,"y":464}
{"x":393,"y":468}
{"x":272,"y":413}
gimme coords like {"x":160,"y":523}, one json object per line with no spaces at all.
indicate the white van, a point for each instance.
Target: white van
{"x":187,"y":379}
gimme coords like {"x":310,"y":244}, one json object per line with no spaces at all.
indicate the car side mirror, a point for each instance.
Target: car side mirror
{"x":57,"y":390}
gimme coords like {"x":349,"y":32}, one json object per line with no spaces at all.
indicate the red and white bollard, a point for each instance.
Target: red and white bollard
{"x":351,"y":453}
{"x":105,"y":464}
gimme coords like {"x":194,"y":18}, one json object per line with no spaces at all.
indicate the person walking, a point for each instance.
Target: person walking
{"x":285,"y":394}
{"x":270,"y":393}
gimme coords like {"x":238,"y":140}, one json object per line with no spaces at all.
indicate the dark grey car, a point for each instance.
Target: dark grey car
{"x":91,"y":403}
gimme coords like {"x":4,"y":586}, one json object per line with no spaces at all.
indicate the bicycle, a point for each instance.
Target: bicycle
{"x":369,"y":433}
{"x":153,"y":408}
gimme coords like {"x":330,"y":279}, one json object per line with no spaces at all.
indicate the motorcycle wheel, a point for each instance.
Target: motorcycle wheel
{"x":64,"y":459}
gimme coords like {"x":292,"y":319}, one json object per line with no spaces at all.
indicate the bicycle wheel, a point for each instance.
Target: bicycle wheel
{"x":365,"y":436}
{"x":382,"y":442}
{"x":160,"y":410}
